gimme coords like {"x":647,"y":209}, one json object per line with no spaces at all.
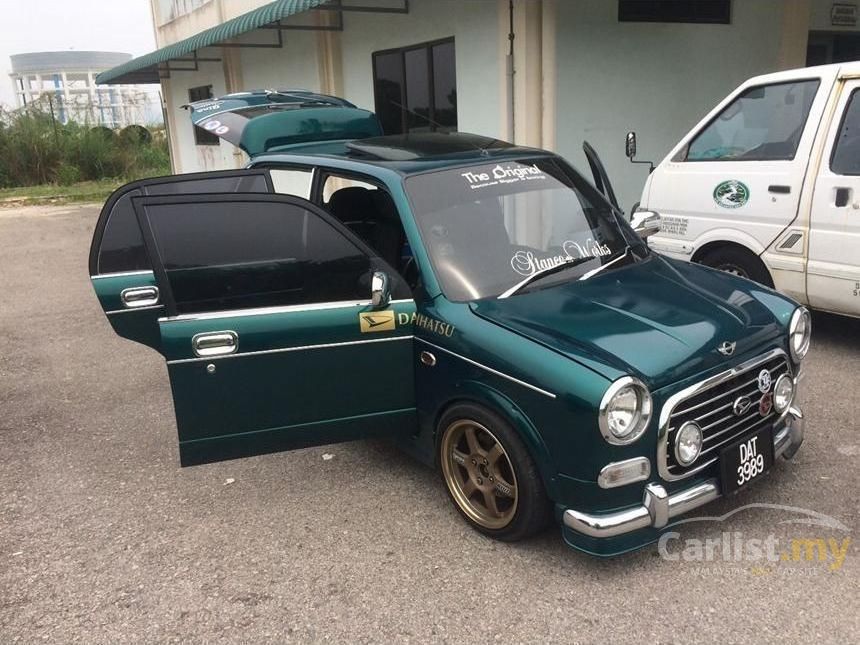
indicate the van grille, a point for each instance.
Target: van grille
{"x":713,"y":410}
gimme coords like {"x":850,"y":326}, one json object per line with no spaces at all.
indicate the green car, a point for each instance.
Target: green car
{"x":481,"y":304}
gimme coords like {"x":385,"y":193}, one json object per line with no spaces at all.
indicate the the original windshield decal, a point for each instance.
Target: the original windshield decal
{"x":426,"y":322}
{"x":503,"y":174}
{"x":731,"y":194}
{"x":376,"y":321}
{"x":526,"y":262}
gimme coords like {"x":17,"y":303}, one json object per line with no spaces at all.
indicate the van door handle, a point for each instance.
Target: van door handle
{"x":139,"y":297}
{"x":842,"y":197}
{"x":217,"y":343}
{"x":780,"y":190}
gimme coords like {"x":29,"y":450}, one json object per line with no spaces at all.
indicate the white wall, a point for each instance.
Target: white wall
{"x":474,"y":25}
{"x":658,"y":79}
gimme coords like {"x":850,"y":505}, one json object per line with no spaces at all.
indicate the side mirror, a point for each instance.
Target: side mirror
{"x":380,"y":290}
{"x":630,"y":146}
{"x":646,"y":223}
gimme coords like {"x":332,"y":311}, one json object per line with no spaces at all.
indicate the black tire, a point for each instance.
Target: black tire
{"x":738,"y":261}
{"x":532,"y":508}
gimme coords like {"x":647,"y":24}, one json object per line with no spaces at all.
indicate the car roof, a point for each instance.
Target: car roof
{"x":406,"y":153}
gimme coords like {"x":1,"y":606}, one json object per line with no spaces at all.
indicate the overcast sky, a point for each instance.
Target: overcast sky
{"x":55,"y":25}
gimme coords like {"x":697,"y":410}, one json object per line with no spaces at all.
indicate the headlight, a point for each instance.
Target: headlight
{"x":624,"y":411}
{"x":688,"y":443}
{"x":799,"y":333}
{"x":783,"y":393}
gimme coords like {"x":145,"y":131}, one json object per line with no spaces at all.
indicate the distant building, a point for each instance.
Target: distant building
{"x":67,"y":80}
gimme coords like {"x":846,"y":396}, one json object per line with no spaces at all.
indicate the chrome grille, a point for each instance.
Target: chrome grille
{"x":712,"y":407}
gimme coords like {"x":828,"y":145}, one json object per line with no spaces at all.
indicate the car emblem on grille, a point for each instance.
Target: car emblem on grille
{"x":765,"y":405}
{"x":764,"y":381}
{"x":726,"y":349}
{"x":741,"y":405}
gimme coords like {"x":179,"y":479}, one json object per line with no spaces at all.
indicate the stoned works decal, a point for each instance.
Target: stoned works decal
{"x":526,"y":262}
{"x":503,"y":174}
{"x":731,"y":194}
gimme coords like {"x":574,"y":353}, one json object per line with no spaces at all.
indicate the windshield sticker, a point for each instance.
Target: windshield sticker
{"x":526,"y":262}
{"x":503,"y":174}
{"x":731,"y":194}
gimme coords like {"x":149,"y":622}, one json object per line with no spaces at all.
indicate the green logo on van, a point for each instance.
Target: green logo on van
{"x":731,"y":193}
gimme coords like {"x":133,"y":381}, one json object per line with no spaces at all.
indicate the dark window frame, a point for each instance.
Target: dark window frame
{"x":661,"y":12}
{"x":681,"y":155}
{"x":854,"y":94}
{"x":431,"y":86}
{"x":203,"y":137}
{"x":107,"y":211}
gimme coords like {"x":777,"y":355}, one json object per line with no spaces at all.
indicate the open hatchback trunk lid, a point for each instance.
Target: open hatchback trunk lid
{"x":265,"y":120}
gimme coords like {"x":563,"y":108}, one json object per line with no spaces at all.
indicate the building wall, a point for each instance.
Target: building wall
{"x":658,"y":79}
{"x":475,"y":27}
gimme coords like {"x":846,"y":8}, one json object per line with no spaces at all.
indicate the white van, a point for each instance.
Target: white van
{"x":768,"y":186}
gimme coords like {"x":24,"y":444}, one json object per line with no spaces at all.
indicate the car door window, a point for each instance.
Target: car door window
{"x":763,"y":123}
{"x":292,"y":181}
{"x":221,"y":254}
{"x":846,"y":151}
{"x":121,"y":247}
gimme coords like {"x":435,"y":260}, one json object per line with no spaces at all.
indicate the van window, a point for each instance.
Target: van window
{"x":846,"y":151}
{"x":764,"y":123}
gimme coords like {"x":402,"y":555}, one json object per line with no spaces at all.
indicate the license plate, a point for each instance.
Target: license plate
{"x":746,"y":460}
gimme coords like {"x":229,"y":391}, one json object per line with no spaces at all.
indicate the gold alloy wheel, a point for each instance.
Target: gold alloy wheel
{"x":479,"y":474}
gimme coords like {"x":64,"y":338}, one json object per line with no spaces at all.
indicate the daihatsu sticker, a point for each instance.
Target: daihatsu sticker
{"x":503,"y":174}
{"x":731,"y":194}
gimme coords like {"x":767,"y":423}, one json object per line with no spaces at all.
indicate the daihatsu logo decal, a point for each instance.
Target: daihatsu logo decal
{"x":731,"y":194}
{"x":741,"y":405}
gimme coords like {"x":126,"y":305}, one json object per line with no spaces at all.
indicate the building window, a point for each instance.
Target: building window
{"x":415,"y":88}
{"x":716,"y":12}
{"x":201,"y":136}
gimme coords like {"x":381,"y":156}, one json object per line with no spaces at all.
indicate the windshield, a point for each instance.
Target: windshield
{"x":489,"y":227}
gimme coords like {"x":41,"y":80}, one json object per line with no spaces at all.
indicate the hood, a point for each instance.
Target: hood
{"x":263,"y":120}
{"x":659,"y":320}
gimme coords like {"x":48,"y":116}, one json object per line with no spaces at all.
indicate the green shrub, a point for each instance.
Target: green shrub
{"x":37,"y":149}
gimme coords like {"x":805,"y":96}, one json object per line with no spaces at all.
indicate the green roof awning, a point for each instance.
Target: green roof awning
{"x":145,"y":69}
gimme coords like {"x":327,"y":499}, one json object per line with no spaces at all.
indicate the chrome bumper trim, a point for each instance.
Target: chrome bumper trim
{"x":658,"y":507}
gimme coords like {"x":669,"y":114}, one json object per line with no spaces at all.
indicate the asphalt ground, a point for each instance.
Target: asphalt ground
{"x":104,"y":538}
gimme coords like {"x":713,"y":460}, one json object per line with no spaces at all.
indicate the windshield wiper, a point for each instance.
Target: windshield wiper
{"x":586,"y":276}
{"x":572,"y":262}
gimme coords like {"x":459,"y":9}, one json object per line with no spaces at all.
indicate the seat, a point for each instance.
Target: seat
{"x":372,"y":216}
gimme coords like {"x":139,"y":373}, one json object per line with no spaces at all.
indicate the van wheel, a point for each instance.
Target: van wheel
{"x":490,"y":476}
{"x":738,"y":261}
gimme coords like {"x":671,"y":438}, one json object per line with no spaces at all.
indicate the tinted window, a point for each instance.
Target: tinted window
{"x":445,"y":85}
{"x":122,"y":244}
{"x":763,"y":123}
{"x":846,"y":153}
{"x":704,"y":11}
{"x":237,"y":255}
{"x":417,"y":90}
{"x":388,"y":90}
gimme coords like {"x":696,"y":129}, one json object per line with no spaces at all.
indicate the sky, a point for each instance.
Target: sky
{"x":56,"y":25}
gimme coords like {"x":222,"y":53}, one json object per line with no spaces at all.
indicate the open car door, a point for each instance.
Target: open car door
{"x":261,"y":305}
{"x":601,"y":179}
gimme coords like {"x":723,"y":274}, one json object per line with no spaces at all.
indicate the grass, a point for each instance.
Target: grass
{"x":84,"y":191}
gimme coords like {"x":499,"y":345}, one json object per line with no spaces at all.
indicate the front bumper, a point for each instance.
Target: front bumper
{"x":658,"y":507}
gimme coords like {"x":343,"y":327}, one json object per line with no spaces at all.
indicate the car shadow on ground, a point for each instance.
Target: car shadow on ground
{"x":836,"y":329}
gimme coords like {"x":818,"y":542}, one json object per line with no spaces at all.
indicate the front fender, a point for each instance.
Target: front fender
{"x":471,"y":391}
{"x":727,"y":235}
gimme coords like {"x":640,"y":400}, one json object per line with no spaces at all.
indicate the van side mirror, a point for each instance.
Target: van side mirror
{"x":380,"y":290}
{"x":630,"y":147}
{"x":646,"y":223}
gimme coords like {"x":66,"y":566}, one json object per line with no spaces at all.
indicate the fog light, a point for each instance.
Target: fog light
{"x":783,"y":393}
{"x":688,"y":443}
{"x":624,"y":472}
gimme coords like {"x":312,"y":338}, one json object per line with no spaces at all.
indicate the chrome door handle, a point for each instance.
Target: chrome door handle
{"x":139,"y":296}
{"x":217,"y":343}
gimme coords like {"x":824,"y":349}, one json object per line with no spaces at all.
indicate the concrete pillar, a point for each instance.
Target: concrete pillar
{"x":329,"y":55}
{"x":231,"y":58}
{"x":528,"y":73}
{"x":794,"y":34}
